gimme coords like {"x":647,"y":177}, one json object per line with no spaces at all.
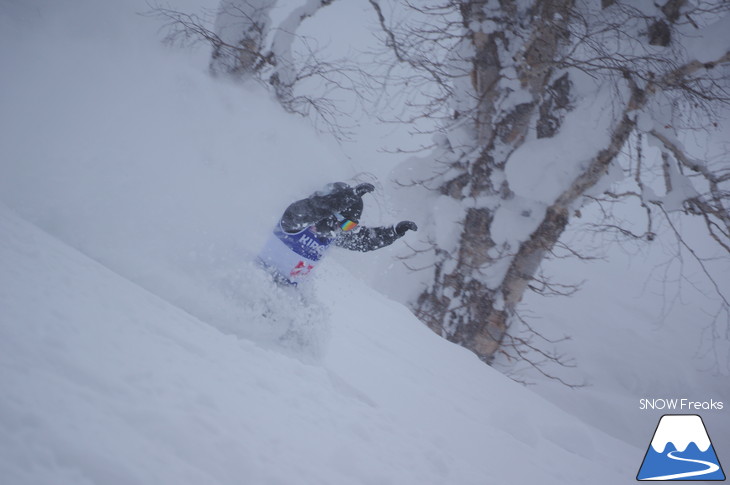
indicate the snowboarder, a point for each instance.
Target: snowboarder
{"x":310,"y":226}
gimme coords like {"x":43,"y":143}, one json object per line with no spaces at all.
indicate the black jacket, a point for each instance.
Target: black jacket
{"x":319,"y":210}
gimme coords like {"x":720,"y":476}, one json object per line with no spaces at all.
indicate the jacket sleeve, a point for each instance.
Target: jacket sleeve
{"x":306,"y":212}
{"x":367,"y":238}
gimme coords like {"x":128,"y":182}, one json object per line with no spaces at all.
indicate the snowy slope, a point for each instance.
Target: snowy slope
{"x":104,"y":382}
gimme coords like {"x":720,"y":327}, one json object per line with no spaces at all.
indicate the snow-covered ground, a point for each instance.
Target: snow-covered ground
{"x":139,"y":345}
{"x":105,"y":382}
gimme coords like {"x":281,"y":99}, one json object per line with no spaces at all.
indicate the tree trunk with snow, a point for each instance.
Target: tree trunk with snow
{"x":510,"y":83}
{"x":242,"y":27}
{"x":245,"y":45}
{"x":248,"y":42}
{"x":514,"y":73}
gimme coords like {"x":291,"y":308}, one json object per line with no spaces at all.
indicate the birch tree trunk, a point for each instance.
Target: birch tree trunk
{"x":242,"y":27}
{"x":512,"y":81}
{"x":463,"y":303}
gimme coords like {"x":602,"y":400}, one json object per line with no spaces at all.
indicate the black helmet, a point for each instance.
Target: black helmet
{"x":343,"y":192}
{"x":353,"y":212}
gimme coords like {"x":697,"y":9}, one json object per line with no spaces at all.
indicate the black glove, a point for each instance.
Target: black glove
{"x":404,"y":226}
{"x":364,"y":188}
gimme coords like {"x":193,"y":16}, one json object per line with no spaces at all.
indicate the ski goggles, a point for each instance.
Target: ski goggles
{"x":345,"y":223}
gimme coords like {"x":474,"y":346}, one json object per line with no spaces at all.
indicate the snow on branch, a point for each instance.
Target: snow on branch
{"x":716,"y":206}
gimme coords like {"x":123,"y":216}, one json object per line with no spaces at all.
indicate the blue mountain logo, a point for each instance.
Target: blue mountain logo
{"x":680,"y":450}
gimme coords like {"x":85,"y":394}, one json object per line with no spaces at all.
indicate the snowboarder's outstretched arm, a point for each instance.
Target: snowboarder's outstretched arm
{"x":306,"y":212}
{"x":371,"y":238}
